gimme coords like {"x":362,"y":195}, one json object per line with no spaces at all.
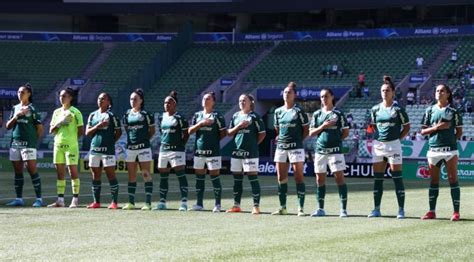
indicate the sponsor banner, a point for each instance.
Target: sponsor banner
{"x":85,"y":37}
{"x":77,"y":82}
{"x":42,"y":164}
{"x":121,"y":166}
{"x":8,"y":93}
{"x":227,"y":81}
{"x":306,"y":93}
{"x":420,"y":170}
{"x":418,"y":149}
{"x":212,"y":37}
{"x":418,"y":78}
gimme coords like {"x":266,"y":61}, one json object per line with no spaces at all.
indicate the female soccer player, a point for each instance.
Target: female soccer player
{"x":104,"y":128}
{"x":67,"y":127}
{"x":291,"y":126}
{"x":140,"y":127}
{"x":443,"y":123}
{"x":248,"y":131}
{"x":27,"y":128}
{"x":331,"y":127}
{"x":174,"y":135}
{"x":209,"y":127}
{"x":391,"y":123}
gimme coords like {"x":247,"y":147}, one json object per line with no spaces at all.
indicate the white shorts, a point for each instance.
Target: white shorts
{"x":391,"y":150}
{"x":175,"y":159}
{"x":294,"y":155}
{"x":22,"y":154}
{"x":144,"y":155}
{"x":107,"y":160}
{"x":213,"y":163}
{"x":434,"y":157}
{"x":336,"y":163}
{"x":246,"y":164}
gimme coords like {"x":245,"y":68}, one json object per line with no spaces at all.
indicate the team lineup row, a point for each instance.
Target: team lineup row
{"x":441,"y":122}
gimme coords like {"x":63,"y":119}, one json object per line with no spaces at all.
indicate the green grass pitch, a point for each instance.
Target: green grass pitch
{"x":81,"y":234}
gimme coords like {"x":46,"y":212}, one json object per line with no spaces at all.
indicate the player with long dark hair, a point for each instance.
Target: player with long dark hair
{"x":443,"y":124}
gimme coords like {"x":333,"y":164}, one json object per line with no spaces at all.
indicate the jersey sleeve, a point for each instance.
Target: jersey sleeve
{"x":314,"y":119}
{"x":344,"y":123}
{"x":426,"y":120}
{"x":220,"y":121}
{"x":276,"y":119}
{"x":303,"y":118}
{"x":36,"y":117}
{"x":158,"y":122}
{"x":89,"y":119}
{"x":12,"y":113}
{"x":125,"y":120}
{"x":116,"y":121}
{"x":259,"y":124}
{"x":194,"y":120}
{"x":79,"y":119}
{"x":404,"y":116}
{"x":231,"y":123}
{"x":183,"y":123}
{"x":54,"y":118}
{"x":373,"y":117}
{"x":457,"y":119}
{"x":150,"y":119}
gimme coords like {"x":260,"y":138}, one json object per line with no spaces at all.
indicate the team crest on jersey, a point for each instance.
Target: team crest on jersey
{"x":333,"y":117}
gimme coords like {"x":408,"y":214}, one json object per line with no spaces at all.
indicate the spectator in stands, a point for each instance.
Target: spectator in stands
{"x":104,"y":128}
{"x":350,"y":119}
{"x":425,"y":100}
{"x":335,"y":69}
{"x":140,"y":127}
{"x":27,"y":128}
{"x":67,"y":127}
{"x":468,"y":106}
{"x":454,"y":56}
{"x":361,"y":84}
{"x":419,"y":62}
{"x":410,"y":97}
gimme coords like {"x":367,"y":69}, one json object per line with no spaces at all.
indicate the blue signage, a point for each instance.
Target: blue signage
{"x":227,"y":81}
{"x":86,"y":37}
{"x":306,"y":93}
{"x":8,"y":93}
{"x":418,"y":78}
{"x":77,"y":82}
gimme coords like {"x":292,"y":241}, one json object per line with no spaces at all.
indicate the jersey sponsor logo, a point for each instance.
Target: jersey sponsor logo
{"x":167,"y":147}
{"x":99,"y":149}
{"x":22,"y":120}
{"x":213,"y":161}
{"x":19,"y":143}
{"x":135,"y":147}
{"x":385,"y":124}
{"x":206,"y":128}
{"x":329,"y":150}
{"x":168,"y":131}
{"x":136,"y":127}
{"x":241,"y":153}
{"x":289,"y":125}
{"x":286,"y":145}
{"x":29,"y":151}
{"x":250,"y":163}
{"x":441,"y":149}
{"x":144,"y":153}
{"x":296,"y":152}
{"x":203,"y":152}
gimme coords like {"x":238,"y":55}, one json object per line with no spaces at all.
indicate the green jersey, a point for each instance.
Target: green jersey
{"x":207,"y":137}
{"x":329,"y":141}
{"x":71,"y":120}
{"x":24,"y":130}
{"x":171,"y":130}
{"x":445,"y":137}
{"x":137,"y":125}
{"x":103,"y":141}
{"x":245,"y":142}
{"x":290,"y":123}
{"x":388,"y":121}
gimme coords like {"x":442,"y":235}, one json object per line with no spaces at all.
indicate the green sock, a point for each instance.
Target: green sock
{"x":114,"y":189}
{"x":183,"y":185}
{"x":76,"y":186}
{"x":378,"y":189}
{"x":282,"y":192}
{"x":200,"y":186}
{"x":132,"y":187}
{"x":455,"y":195}
{"x":61,"y":187}
{"x":343,"y":196}
{"x":238,"y":188}
{"x":36,"y":181}
{"x":163,"y":186}
{"x":96,"y":188}
{"x":321,"y":195}
{"x":19,"y":181}
{"x":300,"y":192}
{"x":255,"y":190}
{"x":148,"y":192}
{"x":433,"y":196}
{"x":399,"y":188}
{"x":216,"y":183}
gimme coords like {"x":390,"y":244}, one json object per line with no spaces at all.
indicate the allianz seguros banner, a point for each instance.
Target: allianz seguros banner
{"x":418,"y":149}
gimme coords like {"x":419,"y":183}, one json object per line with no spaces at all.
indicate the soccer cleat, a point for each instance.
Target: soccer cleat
{"x":343,"y":214}
{"x":234,"y":209}
{"x":57,"y":204}
{"x":429,"y":215}
{"x":38,"y":203}
{"x":113,"y":205}
{"x":196,"y":208}
{"x":280,"y":212}
{"x":255,"y":211}
{"x":128,"y":206}
{"x":375,"y":213}
{"x":216,"y":209}
{"x":455,"y":216}
{"x":146,"y":207}
{"x":183,"y":206}
{"x":18,"y":202}
{"x":301,"y":213}
{"x":161,"y":206}
{"x":93,"y":205}
{"x":319,"y":213}
{"x":74,"y":202}
{"x":401,"y":214}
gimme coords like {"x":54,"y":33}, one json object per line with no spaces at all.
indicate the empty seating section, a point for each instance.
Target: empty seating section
{"x":44,"y":64}
{"x":125,"y":61}
{"x":196,"y":69}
